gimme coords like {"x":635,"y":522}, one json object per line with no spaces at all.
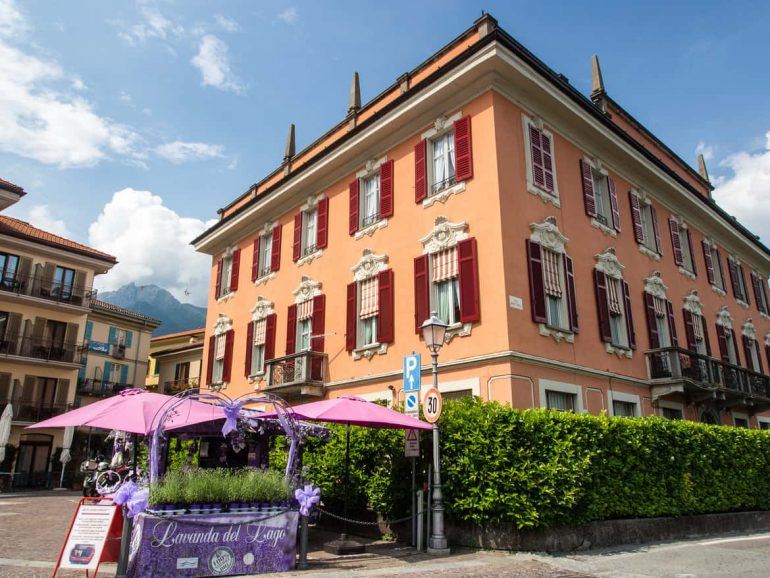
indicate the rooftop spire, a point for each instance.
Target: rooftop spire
{"x":354,"y":104}
{"x":704,"y":173}
{"x":597,"y":81}
{"x":290,"y":145}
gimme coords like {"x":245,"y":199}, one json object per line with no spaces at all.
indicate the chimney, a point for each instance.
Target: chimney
{"x":354,"y":104}
{"x":290,"y":150}
{"x":597,"y":81}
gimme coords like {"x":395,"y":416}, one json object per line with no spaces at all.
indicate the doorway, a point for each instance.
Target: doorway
{"x":32,"y":461}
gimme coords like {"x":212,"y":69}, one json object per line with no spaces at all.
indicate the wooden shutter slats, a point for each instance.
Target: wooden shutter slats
{"x":249,"y":347}
{"x":467,"y":262}
{"x":709,"y":264}
{"x":587,"y":180}
{"x":569,"y":275}
{"x":386,"y":189}
{"x":386,"y":317}
{"x":536,"y":287}
{"x":297,"y":245}
{"x":235,"y":270}
{"x":210,"y":361}
{"x":351,"y":319}
{"x":420,"y":171}
{"x":614,"y":203}
{"x":322,"y":236}
{"x":255,"y":260}
{"x":463,"y":149}
{"x":652,"y":323}
{"x":636,"y":216}
{"x":228,"y":360}
{"x":689,"y":330}
{"x":676,"y":241}
{"x":291,"y":329}
{"x":318,"y":323}
{"x":353,"y":204}
{"x":602,"y":306}
{"x":275,"y":249}
{"x":421,"y":292}
{"x":270,"y":324}
{"x":628,"y":315}
{"x":219,"y":278}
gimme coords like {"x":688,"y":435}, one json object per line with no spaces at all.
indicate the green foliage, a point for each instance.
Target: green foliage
{"x":219,"y":486}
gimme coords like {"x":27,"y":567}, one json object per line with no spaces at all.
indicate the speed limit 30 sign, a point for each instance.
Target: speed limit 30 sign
{"x":431,"y":405}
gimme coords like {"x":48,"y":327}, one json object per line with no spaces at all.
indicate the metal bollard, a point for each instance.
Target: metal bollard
{"x":302,"y":562}
{"x":420,"y":513}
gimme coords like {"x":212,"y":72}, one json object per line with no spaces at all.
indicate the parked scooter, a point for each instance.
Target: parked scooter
{"x":92,"y":469}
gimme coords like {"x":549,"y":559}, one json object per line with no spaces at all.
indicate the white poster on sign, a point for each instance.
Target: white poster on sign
{"x":85,"y":542}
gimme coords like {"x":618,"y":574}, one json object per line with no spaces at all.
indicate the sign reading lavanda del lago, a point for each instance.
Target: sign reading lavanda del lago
{"x":213,"y":545}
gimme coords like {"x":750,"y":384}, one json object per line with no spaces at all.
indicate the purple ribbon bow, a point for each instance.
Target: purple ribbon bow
{"x":133,"y":497}
{"x":231,"y":417}
{"x":307,"y":497}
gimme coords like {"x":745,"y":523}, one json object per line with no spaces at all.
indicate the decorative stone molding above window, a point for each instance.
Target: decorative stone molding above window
{"x":369,"y":266}
{"x":654,"y":285}
{"x":223,"y":324}
{"x":531,"y":186}
{"x":441,"y":125}
{"x":692,"y":303}
{"x":262,"y":309}
{"x":724,"y":318}
{"x":548,"y":236}
{"x":444,"y":235}
{"x":307,"y":289}
{"x":607,"y":262}
{"x":749,"y":329}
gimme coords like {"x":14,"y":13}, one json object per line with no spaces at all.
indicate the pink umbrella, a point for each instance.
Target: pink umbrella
{"x":135,"y":411}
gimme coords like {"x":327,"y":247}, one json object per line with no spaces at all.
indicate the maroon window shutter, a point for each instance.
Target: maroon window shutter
{"x":536,"y":154}
{"x":228,"y":360}
{"x":210,"y":360}
{"x":614,"y":203}
{"x":291,"y":330}
{"x":734,"y":278}
{"x":688,"y":234}
{"x":420,"y":171}
{"x":656,"y":230}
{"x":219,"y":278}
{"x":386,"y":319}
{"x":652,"y":325}
{"x":706,"y":339}
{"x":760,"y":369}
{"x":636,"y":217}
{"x":386,"y":189}
{"x":319,"y":323}
{"x":536,"y":288}
{"x":354,"y":204}
{"x":297,"y":249}
{"x":569,"y":275}
{"x":351,"y":320}
{"x":672,"y":324}
{"x":689,"y":330}
{"x":744,"y":288}
{"x":722,"y":340}
{"x":468,"y":266}
{"x":721,"y":270}
{"x":767,"y":355}
{"x":629,"y":316}
{"x":270,"y":322}
{"x":602,"y":306}
{"x":421,"y":292}
{"x":755,"y":288}
{"x":676,"y":241}
{"x":707,"y":259}
{"x":747,"y":353}
{"x":275,"y":249}
{"x":463,"y":149}
{"x":322,"y":238}
{"x":236,"y":267}
{"x":589,"y":198}
{"x":249,"y":347}
{"x":255,"y":260}
{"x":547,"y":162}
{"x":762,"y":285}
{"x":735,"y":346}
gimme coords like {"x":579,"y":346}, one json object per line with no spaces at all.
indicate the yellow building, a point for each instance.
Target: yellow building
{"x":175,"y":361}
{"x":45,"y":296}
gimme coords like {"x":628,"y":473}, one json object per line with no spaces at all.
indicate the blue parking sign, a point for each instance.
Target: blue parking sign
{"x":412,"y":372}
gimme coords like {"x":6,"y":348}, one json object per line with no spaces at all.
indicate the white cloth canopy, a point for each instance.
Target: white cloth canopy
{"x":66,"y":445}
{"x":5,"y":429}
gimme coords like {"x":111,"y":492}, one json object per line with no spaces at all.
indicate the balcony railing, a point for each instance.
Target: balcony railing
{"x":118,"y":350}
{"x":43,"y":349}
{"x":35,"y":410}
{"x":305,"y":368}
{"x":36,"y":286}
{"x":176,"y":385}
{"x":675,"y":363}
{"x":100,"y":388}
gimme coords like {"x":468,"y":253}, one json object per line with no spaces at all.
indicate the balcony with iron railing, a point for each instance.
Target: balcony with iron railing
{"x":35,"y":410}
{"x":174,"y":386}
{"x":40,"y":349}
{"x":301,"y":374}
{"x":703,"y":374}
{"x":48,"y":289}
{"x":100,"y":388}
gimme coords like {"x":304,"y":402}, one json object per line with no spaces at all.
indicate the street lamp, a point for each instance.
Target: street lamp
{"x":434,"y":333}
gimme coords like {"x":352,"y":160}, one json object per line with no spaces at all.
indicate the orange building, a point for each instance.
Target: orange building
{"x":580,"y":263}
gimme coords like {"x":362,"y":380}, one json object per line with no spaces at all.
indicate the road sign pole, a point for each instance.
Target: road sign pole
{"x":414,"y":499}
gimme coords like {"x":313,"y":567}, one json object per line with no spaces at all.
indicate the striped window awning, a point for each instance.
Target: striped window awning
{"x":219,"y":352}
{"x":445,"y":265}
{"x":305,"y":310}
{"x":551,"y":277}
{"x":613,"y":297}
{"x":370,"y":304}
{"x":260,"y":331}
{"x":660,"y":307}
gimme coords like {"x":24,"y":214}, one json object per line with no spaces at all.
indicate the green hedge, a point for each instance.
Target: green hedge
{"x":539,"y":468}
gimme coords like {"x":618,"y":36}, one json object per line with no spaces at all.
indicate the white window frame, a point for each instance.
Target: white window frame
{"x":763,"y":419}
{"x":368,"y":267}
{"x":227,"y":275}
{"x":561,"y":387}
{"x":743,"y":416}
{"x":718,"y":286}
{"x":265,"y":262}
{"x":454,"y":306}
{"x":607,"y":262}
{"x":441,"y":127}
{"x":257,"y":358}
{"x":562,"y":305}
{"x":553,"y":197}
{"x":648,"y":228}
{"x":603,"y":220}
{"x":670,"y":405}
{"x":217,"y":373}
{"x":688,"y":259}
{"x":261,"y":310}
{"x":447,"y":137}
{"x":548,"y":236}
{"x":613,"y":396}
{"x":375,"y":216}
{"x":309,"y":216}
{"x":740,"y":280}
{"x":301,"y":325}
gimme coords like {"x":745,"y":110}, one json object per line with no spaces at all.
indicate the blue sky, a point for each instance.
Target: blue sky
{"x":181,"y":105}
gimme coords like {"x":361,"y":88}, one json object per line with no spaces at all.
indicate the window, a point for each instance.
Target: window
{"x":623,"y":408}
{"x":260,"y":339}
{"x":182,"y":372}
{"x":645,"y":219}
{"x":227,"y":274}
{"x":732,"y":356}
{"x":699,"y":328}
{"x":760,"y":292}
{"x":370,"y":200}
{"x":63,"y":282}
{"x":118,"y":373}
{"x":368,"y":310}
{"x":553,"y":278}
{"x":648,"y":226}
{"x":601,"y":197}
{"x":671,"y":413}
{"x":688,"y":261}
{"x":265,"y":254}
{"x":9,"y":265}
{"x":309,"y":231}
{"x":741,"y":422}
{"x":4,"y":316}
{"x":559,"y":400}
{"x":445,"y":299}
{"x":661,"y":323}
{"x":370,"y":304}
{"x":541,"y":174}
{"x":613,"y":302}
{"x":617,"y":314}
{"x":763,"y":424}
{"x":443,"y":165}
{"x":258,"y":347}
{"x":219,"y":359}
{"x":737,"y":279}
{"x":713,"y":265}
{"x":304,"y":332}
{"x":55,"y":332}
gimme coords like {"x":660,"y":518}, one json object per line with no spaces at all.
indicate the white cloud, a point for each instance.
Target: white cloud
{"x":181,"y":151}
{"x":227,"y":24}
{"x":152,"y":245}
{"x":12,"y":21}
{"x":153,"y":25}
{"x":746,"y":192}
{"x":40,"y":216}
{"x":213,"y":62}
{"x":288,"y":16}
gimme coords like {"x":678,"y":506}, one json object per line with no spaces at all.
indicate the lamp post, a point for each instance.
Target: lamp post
{"x":434,"y":333}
